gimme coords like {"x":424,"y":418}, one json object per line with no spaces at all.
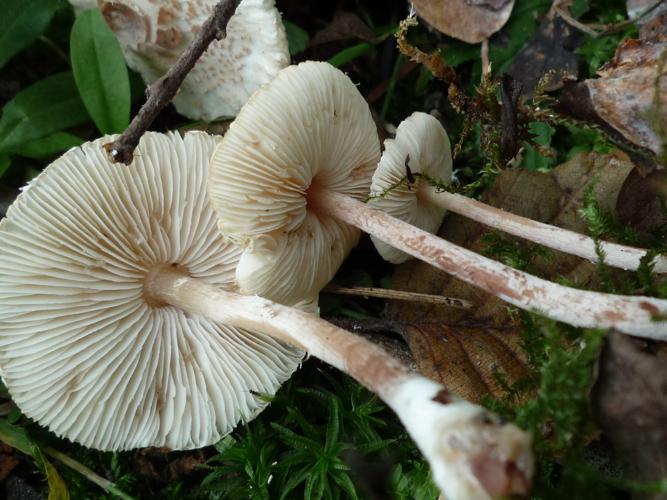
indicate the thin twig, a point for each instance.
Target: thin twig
{"x":162,"y":91}
{"x":574,"y":23}
{"x":384,"y":293}
{"x":486,"y":63}
{"x":596,"y":30}
{"x":92,"y":476}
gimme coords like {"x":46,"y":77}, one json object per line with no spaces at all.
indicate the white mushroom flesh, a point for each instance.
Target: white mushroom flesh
{"x":83,"y":351}
{"x":308,"y":129}
{"x":422,"y":144}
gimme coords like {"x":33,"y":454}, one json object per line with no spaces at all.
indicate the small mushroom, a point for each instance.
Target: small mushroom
{"x":309,"y":129}
{"x":115,"y":283}
{"x":299,"y":151}
{"x":153,"y":34}
{"x":421,"y":144}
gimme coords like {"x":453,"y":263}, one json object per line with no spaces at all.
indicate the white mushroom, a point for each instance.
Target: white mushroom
{"x":84,"y":351}
{"x":296,"y":134}
{"x":422,"y":144}
{"x":302,"y":145}
{"x":425,"y":150}
{"x":153,"y":33}
{"x":116,"y":300}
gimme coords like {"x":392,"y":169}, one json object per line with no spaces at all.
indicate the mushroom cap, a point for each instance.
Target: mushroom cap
{"x":153,"y":33}
{"x":422,"y":138}
{"x":307,"y":129}
{"x":83,"y":351}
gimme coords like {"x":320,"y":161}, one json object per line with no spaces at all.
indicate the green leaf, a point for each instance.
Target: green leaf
{"x":18,"y":438}
{"x":21,"y":23}
{"x":297,"y":38}
{"x":48,"y":146}
{"x":100,"y":72}
{"x":5,"y":163}
{"x":532,"y":158}
{"x":350,"y":53}
{"x":50,"y":105}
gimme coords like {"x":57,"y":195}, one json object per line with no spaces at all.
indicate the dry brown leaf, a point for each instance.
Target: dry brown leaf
{"x":343,"y":26}
{"x":631,"y":93}
{"x":629,"y":402}
{"x":464,"y":349}
{"x":629,"y":98}
{"x":548,"y":57}
{"x":640,"y":202}
{"x":651,"y":16}
{"x":469,"y":20}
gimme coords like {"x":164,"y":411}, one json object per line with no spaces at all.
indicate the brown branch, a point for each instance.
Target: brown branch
{"x":162,"y":91}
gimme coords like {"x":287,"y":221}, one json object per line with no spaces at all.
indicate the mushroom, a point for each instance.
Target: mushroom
{"x":118,"y":369}
{"x":295,"y":159}
{"x":153,"y":33}
{"x":308,"y":129}
{"x":115,"y":282}
{"x":422,"y":145}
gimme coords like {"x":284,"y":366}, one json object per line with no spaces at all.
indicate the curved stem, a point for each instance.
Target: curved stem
{"x":642,"y":316}
{"x":472,"y":453}
{"x":621,"y":256}
{"x":89,"y":474}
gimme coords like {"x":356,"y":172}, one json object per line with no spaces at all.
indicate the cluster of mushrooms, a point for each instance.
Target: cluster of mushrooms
{"x":152,"y":304}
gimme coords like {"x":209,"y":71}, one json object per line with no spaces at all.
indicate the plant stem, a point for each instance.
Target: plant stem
{"x":384,"y":293}
{"x":466,"y":447}
{"x":92,"y":476}
{"x":162,"y":91}
{"x":621,"y":256}
{"x":642,"y":316}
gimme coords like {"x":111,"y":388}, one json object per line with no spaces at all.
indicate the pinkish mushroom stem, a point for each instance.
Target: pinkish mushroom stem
{"x":621,"y":256}
{"x":471,"y":452}
{"x":642,"y":316}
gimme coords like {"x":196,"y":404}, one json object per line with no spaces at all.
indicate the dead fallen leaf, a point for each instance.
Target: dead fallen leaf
{"x":163,"y":466}
{"x":343,"y":26}
{"x":629,"y":402}
{"x":465,"y":350}
{"x":469,"y":20}
{"x":629,"y":98}
{"x":640,"y":202}
{"x":548,"y":56}
{"x":644,"y":11}
{"x":631,"y":93}
{"x":655,"y":30}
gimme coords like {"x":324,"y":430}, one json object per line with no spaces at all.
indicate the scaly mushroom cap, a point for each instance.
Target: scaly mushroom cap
{"x":423,"y":143}
{"x":84,"y":350}
{"x":153,"y":33}
{"x":308,"y":129}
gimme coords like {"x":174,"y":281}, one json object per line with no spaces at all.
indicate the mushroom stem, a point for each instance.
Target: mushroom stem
{"x":472,"y":453}
{"x":642,"y":316}
{"x":621,"y":256}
